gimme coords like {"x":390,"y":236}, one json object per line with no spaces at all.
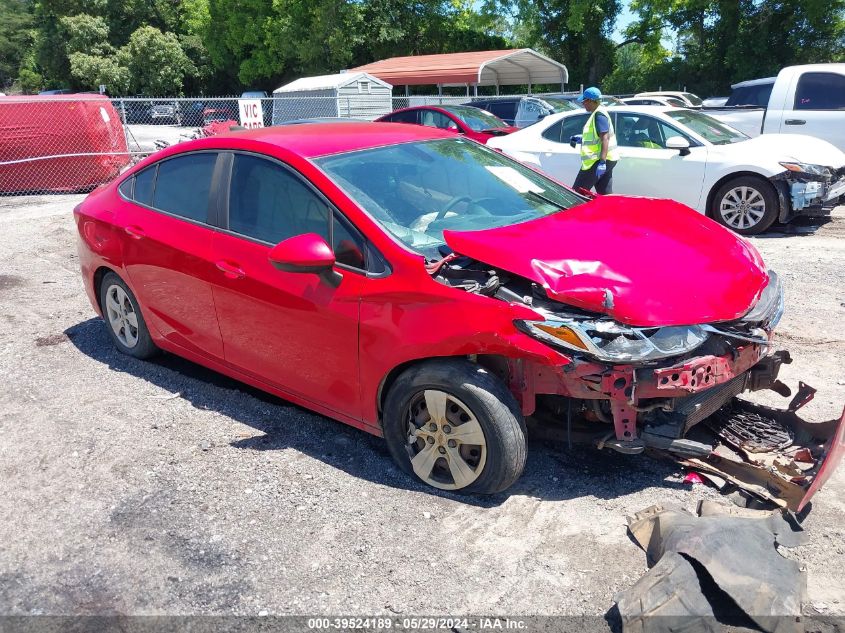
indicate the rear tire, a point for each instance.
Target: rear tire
{"x":456,"y":427}
{"x":124,"y":321}
{"x":746,"y":204}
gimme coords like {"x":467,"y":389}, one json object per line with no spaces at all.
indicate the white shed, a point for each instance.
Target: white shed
{"x":356,"y":95}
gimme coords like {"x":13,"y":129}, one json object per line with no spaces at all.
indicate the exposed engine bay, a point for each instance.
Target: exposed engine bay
{"x":672,"y":390}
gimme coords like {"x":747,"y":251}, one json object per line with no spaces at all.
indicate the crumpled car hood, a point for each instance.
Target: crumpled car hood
{"x":643,"y":262}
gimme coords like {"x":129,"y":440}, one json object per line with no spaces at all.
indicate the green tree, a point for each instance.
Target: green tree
{"x":85,"y":33}
{"x":724,"y":41}
{"x":575,"y":32}
{"x":91,"y":71}
{"x":156,"y":62}
{"x":16,"y":37}
{"x":30,"y":82}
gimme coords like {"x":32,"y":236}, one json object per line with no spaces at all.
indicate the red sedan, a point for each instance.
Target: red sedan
{"x":417,"y":285}
{"x":472,"y":122}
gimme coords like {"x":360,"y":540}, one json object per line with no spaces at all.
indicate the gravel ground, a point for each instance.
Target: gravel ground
{"x":161,"y":488}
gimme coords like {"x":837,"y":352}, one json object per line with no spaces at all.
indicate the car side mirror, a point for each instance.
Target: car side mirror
{"x":575,"y":140}
{"x":307,"y":253}
{"x":678,"y":143}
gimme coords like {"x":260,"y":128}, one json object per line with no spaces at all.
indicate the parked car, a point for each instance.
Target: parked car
{"x":807,"y":100}
{"x":714,"y":102}
{"x":133,"y":110}
{"x":745,"y":184}
{"x":327,"y":119}
{"x":606,"y":100}
{"x":220,"y":110}
{"x":688,"y":99}
{"x":166,"y":112}
{"x":193,"y":112}
{"x":472,"y":122}
{"x":58,"y":91}
{"x":522,"y":111}
{"x":656,"y":101}
{"x":422,"y":287}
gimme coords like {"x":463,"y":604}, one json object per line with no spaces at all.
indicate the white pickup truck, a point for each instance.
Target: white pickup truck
{"x":807,"y":100}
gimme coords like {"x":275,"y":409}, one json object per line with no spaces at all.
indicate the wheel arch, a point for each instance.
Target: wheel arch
{"x":99,"y":275}
{"x":495,"y":363}
{"x":708,"y":209}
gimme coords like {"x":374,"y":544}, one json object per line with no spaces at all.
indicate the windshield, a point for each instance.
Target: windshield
{"x":560,"y":105}
{"x":707,"y":127}
{"x":611,"y":101}
{"x":477,"y":119}
{"x":693,"y":99}
{"x":418,"y":190}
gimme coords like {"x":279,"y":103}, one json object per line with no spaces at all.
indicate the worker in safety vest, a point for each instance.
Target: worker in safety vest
{"x":598,"y":146}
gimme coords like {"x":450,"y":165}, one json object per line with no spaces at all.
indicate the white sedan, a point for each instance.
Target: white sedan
{"x":743,"y":183}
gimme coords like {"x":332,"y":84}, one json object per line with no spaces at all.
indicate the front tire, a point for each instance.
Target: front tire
{"x":124,"y":321}
{"x":747,"y":205}
{"x":455,"y":427}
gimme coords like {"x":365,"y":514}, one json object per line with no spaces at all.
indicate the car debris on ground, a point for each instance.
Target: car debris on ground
{"x":718,"y":567}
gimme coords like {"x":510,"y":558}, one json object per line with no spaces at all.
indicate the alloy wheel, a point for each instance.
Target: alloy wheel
{"x":121,"y":316}
{"x":742,"y":207}
{"x":445,"y":441}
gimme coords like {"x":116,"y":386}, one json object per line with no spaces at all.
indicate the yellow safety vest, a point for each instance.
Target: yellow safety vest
{"x":591,"y":141}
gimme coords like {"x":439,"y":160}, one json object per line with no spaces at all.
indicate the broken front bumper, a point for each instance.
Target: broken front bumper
{"x":690,"y":411}
{"x":787,"y":468}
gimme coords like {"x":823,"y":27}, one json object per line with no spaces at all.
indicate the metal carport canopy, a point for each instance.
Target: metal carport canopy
{"x":482,"y":68}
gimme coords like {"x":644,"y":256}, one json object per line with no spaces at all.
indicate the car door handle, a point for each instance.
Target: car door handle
{"x":230,"y":271}
{"x":136,"y":233}
{"x":795,"y":122}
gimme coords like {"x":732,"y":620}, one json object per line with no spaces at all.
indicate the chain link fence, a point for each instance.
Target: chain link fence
{"x":72,"y":143}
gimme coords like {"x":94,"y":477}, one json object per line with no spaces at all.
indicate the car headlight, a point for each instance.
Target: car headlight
{"x":613,"y":342}
{"x":806,"y":168}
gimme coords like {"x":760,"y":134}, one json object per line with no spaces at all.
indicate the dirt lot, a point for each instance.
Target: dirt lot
{"x":159,"y":488}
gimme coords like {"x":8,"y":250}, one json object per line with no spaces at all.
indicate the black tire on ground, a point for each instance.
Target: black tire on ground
{"x":756,"y":189}
{"x":144,"y":347}
{"x":488,"y":400}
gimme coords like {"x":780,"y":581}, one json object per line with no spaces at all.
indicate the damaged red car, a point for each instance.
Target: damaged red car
{"x":424,"y":288}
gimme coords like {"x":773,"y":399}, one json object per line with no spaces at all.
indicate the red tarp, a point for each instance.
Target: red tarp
{"x":42,"y":131}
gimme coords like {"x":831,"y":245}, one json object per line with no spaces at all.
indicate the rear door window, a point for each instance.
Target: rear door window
{"x":144,"y":183}
{"x":757,"y":96}
{"x":561,"y":131}
{"x":183,"y":184}
{"x":505,"y":110}
{"x":410,"y":116}
{"x":820,"y":91}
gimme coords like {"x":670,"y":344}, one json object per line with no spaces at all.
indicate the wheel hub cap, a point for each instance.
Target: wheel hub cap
{"x":742,"y":207}
{"x":121,"y":316}
{"x":446,"y":443}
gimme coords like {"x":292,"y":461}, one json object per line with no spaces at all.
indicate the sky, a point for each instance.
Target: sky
{"x":624,"y":18}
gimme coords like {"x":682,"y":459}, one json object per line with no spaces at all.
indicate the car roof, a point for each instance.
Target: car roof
{"x":754,"y":82}
{"x":320,"y":139}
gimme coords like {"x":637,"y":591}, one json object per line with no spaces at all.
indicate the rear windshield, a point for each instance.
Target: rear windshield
{"x":693,"y":99}
{"x":560,"y":105}
{"x":707,"y":127}
{"x":751,"y":96}
{"x":477,"y":120}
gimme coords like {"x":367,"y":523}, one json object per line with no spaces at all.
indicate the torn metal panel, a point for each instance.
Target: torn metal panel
{"x":734,"y":558}
{"x":780,"y":458}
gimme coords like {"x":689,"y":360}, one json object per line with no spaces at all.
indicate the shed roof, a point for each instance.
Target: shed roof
{"x":484,"y":68}
{"x":328,"y":82}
